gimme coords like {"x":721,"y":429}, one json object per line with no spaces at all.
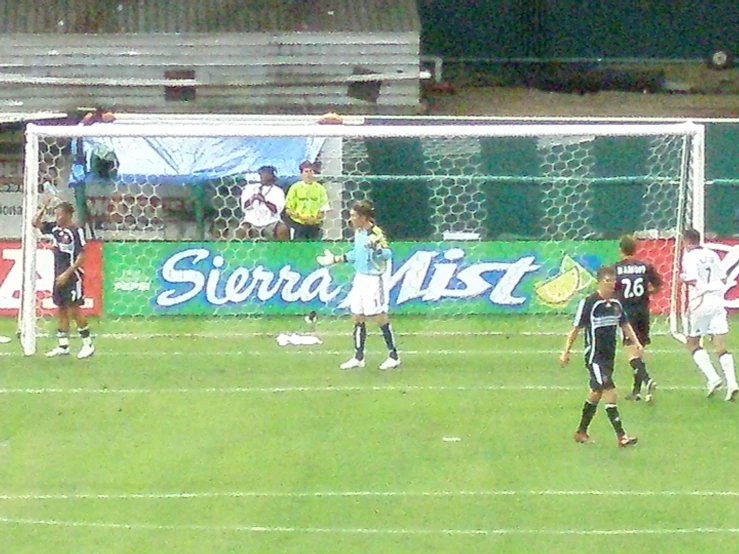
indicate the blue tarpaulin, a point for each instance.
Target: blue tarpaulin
{"x":182,"y":160}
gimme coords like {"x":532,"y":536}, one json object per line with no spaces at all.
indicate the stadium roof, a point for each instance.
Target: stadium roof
{"x":20,"y":117}
{"x":207,"y":16}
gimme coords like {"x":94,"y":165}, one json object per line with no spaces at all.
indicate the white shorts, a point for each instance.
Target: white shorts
{"x":369,"y":295}
{"x":707,"y":318}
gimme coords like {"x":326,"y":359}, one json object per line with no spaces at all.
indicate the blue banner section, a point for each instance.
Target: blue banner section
{"x":180,"y":160}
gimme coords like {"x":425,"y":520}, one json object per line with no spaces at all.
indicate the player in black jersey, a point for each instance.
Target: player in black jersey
{"x":636,"y":280}
{"x":68,"y":244}
{"x":600,"y":315}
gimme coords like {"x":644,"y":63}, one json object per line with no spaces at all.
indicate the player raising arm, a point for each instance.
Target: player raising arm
{"x":706,"y":315}
{"x":600,"y":315}
{"x":68,"y":243}
{"x":369,"y":295}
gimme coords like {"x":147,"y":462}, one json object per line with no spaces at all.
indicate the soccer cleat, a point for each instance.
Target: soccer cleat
{"x":390,"y":363}
{"x":57,"y":351}
{"x":581,"y":437}
{"x":649,"y":395}
{"x":712,"y":388}
{"x":731,"y":394}
{"x":86,"y":351}
{"x":635,"y":396}
{"x":352,"y":364}
{"x":626,"y":440}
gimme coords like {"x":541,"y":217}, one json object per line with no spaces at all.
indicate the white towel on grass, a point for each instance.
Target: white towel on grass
{"x":295,"y":339}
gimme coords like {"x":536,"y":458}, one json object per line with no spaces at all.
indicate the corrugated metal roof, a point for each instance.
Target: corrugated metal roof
{"x":17,"y":117}
{"x":207,"y":16}
{"x":248,"y":72}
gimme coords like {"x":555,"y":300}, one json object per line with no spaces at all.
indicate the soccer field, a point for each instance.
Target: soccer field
{"x":194,"y":436}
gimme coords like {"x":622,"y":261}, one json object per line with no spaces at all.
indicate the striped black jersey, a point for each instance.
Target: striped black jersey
{"x":600,"y":320}
{"x":67,"y":244}
{"x":634,"y":279}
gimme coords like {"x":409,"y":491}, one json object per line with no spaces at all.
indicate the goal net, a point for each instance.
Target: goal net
{"x":495,"y":228}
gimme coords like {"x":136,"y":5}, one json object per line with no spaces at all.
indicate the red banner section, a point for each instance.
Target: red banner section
{"x":728,"y":251}
{"x":660,"y":253}
{"x":11,"y":278}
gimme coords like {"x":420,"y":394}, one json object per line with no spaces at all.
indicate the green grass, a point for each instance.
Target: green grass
{"x":171,"y":440}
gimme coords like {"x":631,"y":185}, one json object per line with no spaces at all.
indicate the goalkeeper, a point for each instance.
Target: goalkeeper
{"x":369,"y":295}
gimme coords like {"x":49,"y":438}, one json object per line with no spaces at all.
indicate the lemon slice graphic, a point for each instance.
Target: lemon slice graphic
{"x":585,"y":279}
{"x":558,"y":290}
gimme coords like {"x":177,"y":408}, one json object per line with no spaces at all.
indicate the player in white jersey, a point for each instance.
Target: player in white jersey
{"x":706,"y":315}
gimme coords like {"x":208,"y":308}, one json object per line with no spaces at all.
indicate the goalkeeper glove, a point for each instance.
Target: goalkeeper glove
{"x":373,"y":243}
{"x":327,"y":258}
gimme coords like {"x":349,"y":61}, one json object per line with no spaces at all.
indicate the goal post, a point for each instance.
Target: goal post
{"x":691,"y":212}
{"x":27,"y":311}
{"x":484,"y":218}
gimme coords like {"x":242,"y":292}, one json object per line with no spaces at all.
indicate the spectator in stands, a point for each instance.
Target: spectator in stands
{"x":306,"y":205}
{"x":262,"y":205}
{"x":98,"y":115}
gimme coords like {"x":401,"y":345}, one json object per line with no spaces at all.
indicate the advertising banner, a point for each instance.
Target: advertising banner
{"x":158,"y":278}
{"x":11,"y":278}
{"x":11,"y":211}
{"x":660,"y":253}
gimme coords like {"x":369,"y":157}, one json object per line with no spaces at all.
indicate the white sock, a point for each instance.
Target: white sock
{"x":726,"y":361}
{"x":703,"y":361}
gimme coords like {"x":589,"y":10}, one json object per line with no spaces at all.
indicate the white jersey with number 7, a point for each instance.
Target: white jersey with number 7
{"x":702,"y":272}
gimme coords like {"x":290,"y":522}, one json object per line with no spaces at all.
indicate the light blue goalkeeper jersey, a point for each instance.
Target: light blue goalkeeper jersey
{"x":367,"y":260}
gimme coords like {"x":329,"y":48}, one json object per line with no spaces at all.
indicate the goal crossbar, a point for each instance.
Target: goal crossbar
{"x":368,"y":131}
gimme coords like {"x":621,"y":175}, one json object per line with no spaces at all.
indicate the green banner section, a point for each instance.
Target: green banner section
{"x":454,"y":278}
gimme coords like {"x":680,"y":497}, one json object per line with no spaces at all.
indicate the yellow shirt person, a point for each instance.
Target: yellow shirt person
{"x":306,"y":204}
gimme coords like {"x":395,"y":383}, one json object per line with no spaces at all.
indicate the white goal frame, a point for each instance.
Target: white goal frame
{"x":352,"y":128}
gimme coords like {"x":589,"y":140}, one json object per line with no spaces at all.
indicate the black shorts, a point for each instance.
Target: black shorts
{"x":69,"y":294}
{"x":601,"y":375}
{"x":640,"y":324}
{"x":267,"y":232}
{"x":305,"y":232}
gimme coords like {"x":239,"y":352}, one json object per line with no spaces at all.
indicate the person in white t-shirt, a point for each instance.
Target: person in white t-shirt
{"x":262,"y":205}
{"x":705,"y":280}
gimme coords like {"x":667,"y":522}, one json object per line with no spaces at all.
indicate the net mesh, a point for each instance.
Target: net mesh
{"x":481,"y":226}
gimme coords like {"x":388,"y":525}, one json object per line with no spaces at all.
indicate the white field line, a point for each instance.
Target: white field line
{"x":363,"y":530}
{"x":313,"y":351}
{"x":343,"y":333}
{"x":365,"y":494}
{"x":312,"y":389}
{"x":347,"y":333}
